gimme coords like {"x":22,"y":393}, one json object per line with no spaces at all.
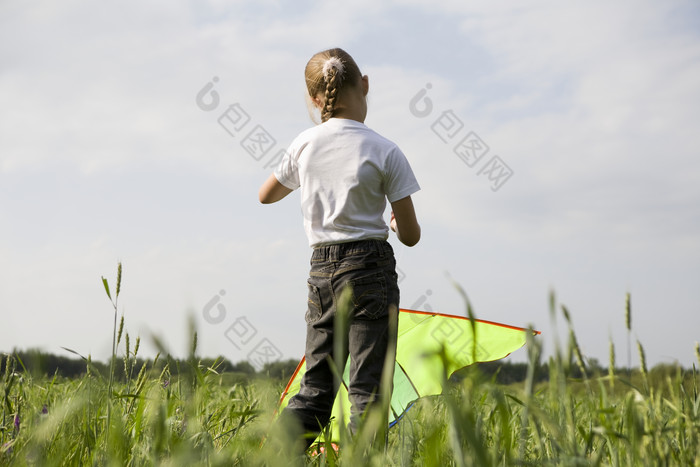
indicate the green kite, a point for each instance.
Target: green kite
{"x":430,"y":346}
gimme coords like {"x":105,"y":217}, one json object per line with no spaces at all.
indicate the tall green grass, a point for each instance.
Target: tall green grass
{"x":169,"y":414}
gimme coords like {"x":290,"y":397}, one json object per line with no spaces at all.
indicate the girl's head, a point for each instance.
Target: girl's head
{"x":333,"y":79}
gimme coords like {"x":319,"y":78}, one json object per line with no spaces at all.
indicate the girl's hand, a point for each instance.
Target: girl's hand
{"x":403,"y":221}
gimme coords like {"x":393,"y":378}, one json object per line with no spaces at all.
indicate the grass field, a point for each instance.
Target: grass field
{"x":199,"y":418}
{"x":166,"y":414}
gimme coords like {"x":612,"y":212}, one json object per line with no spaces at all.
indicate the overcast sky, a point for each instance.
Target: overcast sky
{"x":556,"y":144}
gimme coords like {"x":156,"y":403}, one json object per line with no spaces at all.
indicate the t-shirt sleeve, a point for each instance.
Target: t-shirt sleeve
{"x":287,"y":172}
{"x":400,"y":181}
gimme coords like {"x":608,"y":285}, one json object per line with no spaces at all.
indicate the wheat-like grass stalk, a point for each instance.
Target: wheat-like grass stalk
{"x":578,"y":354}
{"x":114,"y":302}
{"x":119,"y":278}
{"x":611,"y":364}
{"x":121,"y":330}
{"x":643,"y":363}
{"x":340,"y":335}
{"x":628,"y":325}
{"x":193,"y":350}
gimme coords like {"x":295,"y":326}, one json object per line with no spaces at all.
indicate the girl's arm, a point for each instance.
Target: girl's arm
{"x":404,"y":222}
{"x":272,"y":190}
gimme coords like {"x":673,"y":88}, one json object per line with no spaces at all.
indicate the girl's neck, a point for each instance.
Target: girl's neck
{"x":349,"y":116}
{"x":352,"y":109}
{"x":352,"y":103}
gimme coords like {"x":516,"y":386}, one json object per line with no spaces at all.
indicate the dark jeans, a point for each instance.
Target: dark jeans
{"x":369,"y":268}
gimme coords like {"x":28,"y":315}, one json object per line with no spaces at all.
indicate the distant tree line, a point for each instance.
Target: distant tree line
{"x":39,"y":363}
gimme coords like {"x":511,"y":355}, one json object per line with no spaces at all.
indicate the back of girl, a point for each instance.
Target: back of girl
{"x":346,"y":173}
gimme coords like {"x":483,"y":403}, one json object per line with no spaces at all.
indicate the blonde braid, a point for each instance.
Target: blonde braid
{"x":331,"y":94}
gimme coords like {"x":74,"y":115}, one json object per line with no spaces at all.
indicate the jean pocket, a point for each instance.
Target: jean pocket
{"x":369,"y":294}
{"x":313,"y":307}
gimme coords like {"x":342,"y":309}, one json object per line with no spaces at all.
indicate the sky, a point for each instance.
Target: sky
{"x":555,"y":143}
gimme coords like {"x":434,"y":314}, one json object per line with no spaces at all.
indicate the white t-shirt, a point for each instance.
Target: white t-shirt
{"x":346,"y":173}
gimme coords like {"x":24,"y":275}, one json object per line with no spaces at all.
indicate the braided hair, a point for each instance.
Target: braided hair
{"x":326,"y":74}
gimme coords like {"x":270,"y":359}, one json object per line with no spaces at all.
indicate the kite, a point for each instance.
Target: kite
{"x":430,"y":346}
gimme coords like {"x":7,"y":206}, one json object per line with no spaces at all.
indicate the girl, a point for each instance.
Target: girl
{"x":346,"y":172}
